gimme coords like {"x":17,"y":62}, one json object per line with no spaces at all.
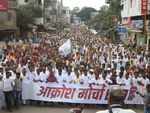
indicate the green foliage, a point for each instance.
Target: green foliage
{"x":85,"y":13}
{"x":75,"y":10}
{"x":26,"y":15}
{"x":104,"y":22}
{"x":115,"y":8}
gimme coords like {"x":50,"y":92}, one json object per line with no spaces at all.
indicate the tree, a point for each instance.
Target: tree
{"x":75,"y":10}
{"x":105,"y":22}
{"x":85,"y":13}
{"x":115,"y":8}
{"x":26,"y":15}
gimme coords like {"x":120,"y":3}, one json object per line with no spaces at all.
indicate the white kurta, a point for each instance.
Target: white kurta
{"x":118,"y":110}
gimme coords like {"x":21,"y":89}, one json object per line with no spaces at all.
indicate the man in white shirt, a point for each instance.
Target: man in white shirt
{"x":135,"y":79}
{"x":2,"y":100}
{"x":68,"y":76}
{"x":109,"y":73}
{"x":102,"y":80}
{"x":64,"y":76}
{"x":71,"y":77}
{"x":120,"y":79}
{"x":43,"y":75}
{"x":36,"y":77}
{"x":84,"y":79}
{"x":115,"y":101}
{"x":8,"y":89}
{"x":127,"y":80}
{"x":91,"y":74}
{"x":29,"y":74}
{"x":58,"y":75}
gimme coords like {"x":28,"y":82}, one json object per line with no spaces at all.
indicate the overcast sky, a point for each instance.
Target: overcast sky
{"x":82,"y":3}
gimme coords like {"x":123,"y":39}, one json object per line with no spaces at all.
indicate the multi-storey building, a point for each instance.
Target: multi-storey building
{"x":38,"y":3}
{"x":24,"y":2}
{"x":53,"y":12}
{"x":49,"y":10}
{"x":135,"y":13}
{"x":7,"y":18}
{"x":66,"y":15}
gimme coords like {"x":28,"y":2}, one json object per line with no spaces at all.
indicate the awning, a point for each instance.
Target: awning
{"x":134,"y":30}
{"x":6,"y":28}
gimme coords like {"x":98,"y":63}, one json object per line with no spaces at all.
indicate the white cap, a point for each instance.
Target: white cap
{"x":108,"y":69}
{"x":91,"y":70}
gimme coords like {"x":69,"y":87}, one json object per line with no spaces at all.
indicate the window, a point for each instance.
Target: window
{"x":39,"y":2}
{"x":9,"y":16}
{"x":25,"y":1}
{"x":122,"y":7}
{"x":64,"y":11}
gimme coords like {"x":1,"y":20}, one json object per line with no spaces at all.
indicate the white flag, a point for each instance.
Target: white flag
{"x":93,"y":31}
{"x":65,"y":49}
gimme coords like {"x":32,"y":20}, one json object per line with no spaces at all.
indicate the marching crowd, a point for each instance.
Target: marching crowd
{"x":92,"y":61}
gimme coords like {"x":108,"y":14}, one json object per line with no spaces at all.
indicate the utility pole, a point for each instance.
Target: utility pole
{"x":146,"y":32}
{"x":145,"y":27}
{"x":43,"y":11}
{"x":61,"y":15}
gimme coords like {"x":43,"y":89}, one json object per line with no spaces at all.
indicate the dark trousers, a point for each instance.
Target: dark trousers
{"x":17,"y":99}
{"x":8,"y":99}
{"x":147,"y":110}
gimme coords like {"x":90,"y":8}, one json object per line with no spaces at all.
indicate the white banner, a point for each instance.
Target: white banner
{"x":74,"y":93}
{"x":65,"y":49}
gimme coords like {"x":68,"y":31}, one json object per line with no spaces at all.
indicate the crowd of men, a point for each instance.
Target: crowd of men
{"x":92,"y":61}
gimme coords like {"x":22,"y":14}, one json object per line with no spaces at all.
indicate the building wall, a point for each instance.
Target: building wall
{"x":131,"y":8}
{"x":76,"y":20}
{"x":66,"y":15}
{"x":50,"y":11}
{"x":133,"y":20}
{"x":49,"y":8}
{"x":39,"y":3}
{"x":24,"y":2}
{"x":8,"y":18}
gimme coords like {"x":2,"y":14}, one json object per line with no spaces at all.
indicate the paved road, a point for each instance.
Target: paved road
{"x":31,"y":109}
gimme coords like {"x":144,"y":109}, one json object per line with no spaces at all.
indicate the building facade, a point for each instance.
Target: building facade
{"x":76,"y":20}
{"x":133,"y":18}
{"x":66,"y":15}
{"x":8,"y":18}
{"x":49,"y":10}
{"x":37,"y":3}
{"x":131,"y":8}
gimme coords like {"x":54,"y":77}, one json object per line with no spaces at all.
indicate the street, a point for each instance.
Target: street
{"x":57,"y":55}
{"x":32,"y":109}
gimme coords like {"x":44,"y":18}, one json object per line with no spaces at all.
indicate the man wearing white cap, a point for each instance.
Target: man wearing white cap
{"x":91,"y":76}
{"x":115,"y":102}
